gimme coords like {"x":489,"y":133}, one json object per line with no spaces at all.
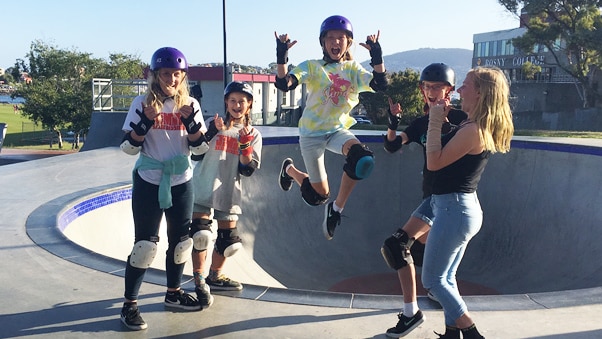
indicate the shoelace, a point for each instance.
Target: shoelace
{"x":187,"y":299}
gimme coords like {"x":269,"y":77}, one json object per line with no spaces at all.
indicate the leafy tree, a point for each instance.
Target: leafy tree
{"x":571,"y":30}
{"x":59,"y":96}
{"x":403,"y":88}
{"x":530,"y":69}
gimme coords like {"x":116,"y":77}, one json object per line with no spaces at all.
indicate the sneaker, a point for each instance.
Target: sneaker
{"x":182,"y":300}
{"x":405,"y":325}
{"x":284,"y":180}
{"x":223,"y":283}
{"x":130,"y":317}
{"x":332,"y":219}
{"x":203,"y":294}
{"x":450,"y":333}
{"x":432,"y":297}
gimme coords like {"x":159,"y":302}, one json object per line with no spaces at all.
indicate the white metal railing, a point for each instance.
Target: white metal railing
{"x":115,"y":95}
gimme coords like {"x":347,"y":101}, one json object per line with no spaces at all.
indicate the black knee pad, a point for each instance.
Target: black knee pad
{"x":228,"y":242}
{"x":396,"y":250}
{"x":310,"y":196}
{"x":417,"y":252}
{"x":359,"y":162}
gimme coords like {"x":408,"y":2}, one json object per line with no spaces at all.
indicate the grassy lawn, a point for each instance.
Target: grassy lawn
{"x":22,"y":133}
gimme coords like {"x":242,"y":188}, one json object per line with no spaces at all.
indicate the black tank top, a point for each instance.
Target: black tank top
{"x":463,"y":175}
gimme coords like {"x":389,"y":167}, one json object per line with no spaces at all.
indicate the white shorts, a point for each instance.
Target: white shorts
{"x":312,"y":150}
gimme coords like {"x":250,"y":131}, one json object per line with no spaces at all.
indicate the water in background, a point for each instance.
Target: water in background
{"x":6,"y":99}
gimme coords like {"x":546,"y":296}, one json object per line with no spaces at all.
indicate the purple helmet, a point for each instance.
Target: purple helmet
{"x":168,"y":57}
{"x":337,"y":22}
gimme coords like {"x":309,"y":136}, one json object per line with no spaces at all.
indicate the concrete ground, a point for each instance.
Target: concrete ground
{"x":54,"y":288}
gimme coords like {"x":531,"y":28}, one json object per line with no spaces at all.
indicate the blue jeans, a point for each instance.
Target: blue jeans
{"x":457,"y":218}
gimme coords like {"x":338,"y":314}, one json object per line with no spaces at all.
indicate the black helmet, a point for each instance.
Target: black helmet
{"x":438,"y":72}
{"x":238,"y":86}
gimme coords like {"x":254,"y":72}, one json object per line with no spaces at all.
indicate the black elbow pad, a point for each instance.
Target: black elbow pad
{"x":393,"y":146}
{"x":281,"y":84}
{"x":248,"y":169}
{"x":379,"y":81}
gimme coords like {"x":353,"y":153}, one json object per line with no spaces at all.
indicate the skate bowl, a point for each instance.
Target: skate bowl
{"x":537,"y":246}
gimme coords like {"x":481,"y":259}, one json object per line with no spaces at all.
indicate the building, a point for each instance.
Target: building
{"x":270,"y":106}
{"x":549,"y":100}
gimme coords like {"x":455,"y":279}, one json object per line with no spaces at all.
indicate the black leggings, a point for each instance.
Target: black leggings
{"x":147,"y":219}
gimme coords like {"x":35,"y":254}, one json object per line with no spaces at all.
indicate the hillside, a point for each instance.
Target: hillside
{"x":458,"y":59}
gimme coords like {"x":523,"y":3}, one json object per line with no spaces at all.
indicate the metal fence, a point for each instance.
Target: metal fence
{"x":116,"y":95}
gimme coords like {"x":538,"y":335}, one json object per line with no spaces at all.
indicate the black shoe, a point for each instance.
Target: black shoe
{"x":223,"y":283}
{"x":130,"y":317}
{"x":405,"y":325}
{"x":182,"y":300}
{"x":450,"y":333}
{"x":284,"y":180}
{"x":203,"y":294}
{"x":332,"y":219}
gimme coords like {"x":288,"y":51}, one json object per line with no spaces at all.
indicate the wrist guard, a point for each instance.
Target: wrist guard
{"x":393,"y":120}
{"x":376,"y":53}
{"x":144,"y":125}
{"x":191,"y":125}
{"x":244,"y":145}
{"x":282,"y":52}
{"x":211,"y":131}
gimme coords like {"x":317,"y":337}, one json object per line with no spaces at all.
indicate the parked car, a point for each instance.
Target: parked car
{"x":362,"y":120}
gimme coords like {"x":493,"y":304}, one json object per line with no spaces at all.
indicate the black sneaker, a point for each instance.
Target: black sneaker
{"x":332,"y":219}
{"x":284,"y":180}
{"x":405,"y":325}
{"x":203,"y":294}
{"x":130,"y":317}
{"x":181,"y":300}
{"x":450,"y":333}
{"x":223,"y":283}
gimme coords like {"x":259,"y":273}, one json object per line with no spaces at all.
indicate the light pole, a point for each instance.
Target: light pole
{"x":224,"y":23}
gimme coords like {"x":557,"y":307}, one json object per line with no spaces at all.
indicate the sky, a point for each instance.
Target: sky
{"x":195,"y":27}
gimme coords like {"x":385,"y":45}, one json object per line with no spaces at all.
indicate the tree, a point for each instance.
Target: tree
{"x":530,"y":69}
{"x":59,"y":97}
{"x":403,"y":88}
{"x":571,"y":30}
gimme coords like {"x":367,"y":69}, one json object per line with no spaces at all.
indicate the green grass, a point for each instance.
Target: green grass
{"x":20,"y":132}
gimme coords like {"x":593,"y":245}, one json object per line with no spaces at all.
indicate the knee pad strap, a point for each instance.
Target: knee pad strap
{"x":228,"y":242}
{"x":417,"y":253}
{"x":359,"y":162}
{"x":310,"y":196}
{"x":396,"y":250}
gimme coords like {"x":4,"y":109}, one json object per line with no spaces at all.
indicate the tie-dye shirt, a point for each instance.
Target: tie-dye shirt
{"x":333,"y":90}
